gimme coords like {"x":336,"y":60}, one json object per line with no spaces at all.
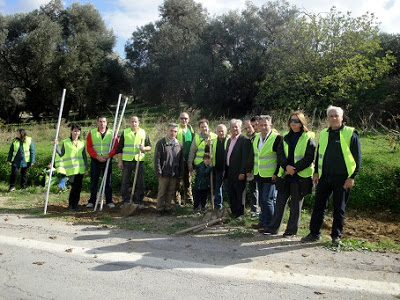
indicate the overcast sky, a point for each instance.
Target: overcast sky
{"x":123,"y":16}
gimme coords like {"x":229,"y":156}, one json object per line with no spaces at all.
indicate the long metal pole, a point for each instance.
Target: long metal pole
{"x":103,"y":182}
{"x":54,"y":148}
{"x":112,"y":146}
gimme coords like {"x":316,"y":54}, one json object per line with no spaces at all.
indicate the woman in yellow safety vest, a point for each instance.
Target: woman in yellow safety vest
{"x":21,"y":156}
{"x":295,"y":157}
{"x":74,"y":162}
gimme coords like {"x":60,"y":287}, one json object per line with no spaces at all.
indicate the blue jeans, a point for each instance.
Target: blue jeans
{"x":273,"y":193}
{"x":218,"y":181}
{"x":267,"y":203}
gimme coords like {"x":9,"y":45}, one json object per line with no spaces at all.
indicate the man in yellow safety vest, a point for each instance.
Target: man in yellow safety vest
{"x":132,"y":144}
{"x":337,"y":162}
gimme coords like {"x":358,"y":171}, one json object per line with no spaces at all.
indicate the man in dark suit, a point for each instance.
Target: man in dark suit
{"x":236,"y":167}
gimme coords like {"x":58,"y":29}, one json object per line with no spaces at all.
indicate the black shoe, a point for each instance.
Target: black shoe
{"x":159,"y":213}
{"x":288,"y":235}
{"x":310,"y":238}
{"x":336,"y":241}
{"x":71,"y":208}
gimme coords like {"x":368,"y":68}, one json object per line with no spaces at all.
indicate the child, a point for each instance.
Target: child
{"x":202,"y":184}
{"x":45,"y":176}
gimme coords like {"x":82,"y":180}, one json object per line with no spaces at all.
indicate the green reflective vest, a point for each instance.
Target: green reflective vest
{"x":345,"y":137}
{"x":25,"y":146}
{"x":299,"y":152}
{"x":265,"y":161}
{"x":214,"y":148}
{"x":101,"y":145}
{"x":72,"y":161}
{"x":59,"y":165}
{"x":132,"y":141}
{"x":201,"y":147}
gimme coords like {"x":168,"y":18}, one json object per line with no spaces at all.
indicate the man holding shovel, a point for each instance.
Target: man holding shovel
{"x":168,"y":166}
{"x":98,"y":144}
{"x":200,"y":144}
{"x":133,"y":143}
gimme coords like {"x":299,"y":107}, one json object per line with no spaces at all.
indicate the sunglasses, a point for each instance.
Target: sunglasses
{"x":297,"y":121}
{"x":184,"y":118}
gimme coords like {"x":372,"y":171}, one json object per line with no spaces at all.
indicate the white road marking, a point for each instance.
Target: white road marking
{"x":234,"y":272}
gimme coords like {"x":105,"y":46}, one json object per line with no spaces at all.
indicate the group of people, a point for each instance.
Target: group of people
{"x":274,"y":167}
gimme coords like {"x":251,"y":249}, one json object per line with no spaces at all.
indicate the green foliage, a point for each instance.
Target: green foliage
{"x":377,"y":185}
{"x":52,"y":48}
{"x":323,"y":60}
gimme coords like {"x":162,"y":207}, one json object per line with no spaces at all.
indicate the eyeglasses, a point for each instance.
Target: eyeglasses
{"x":297,"y":121}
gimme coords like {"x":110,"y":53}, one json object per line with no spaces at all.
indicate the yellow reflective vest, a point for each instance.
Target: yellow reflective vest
{"x":132,"y":141}
{"x":101,"y":145}
{"x":25,"y":146}
{"x":201,"y":146}
{"x":345,"y":137}
{"x":72,"y":160}
{"x":265,"y":161}
{"x":299,"y":152}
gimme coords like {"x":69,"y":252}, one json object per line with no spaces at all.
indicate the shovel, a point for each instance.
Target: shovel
{"x":212,"y":213}
{"x":128,"y":208}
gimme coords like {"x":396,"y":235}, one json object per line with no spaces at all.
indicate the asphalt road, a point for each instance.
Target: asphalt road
{"x":43,"y":258}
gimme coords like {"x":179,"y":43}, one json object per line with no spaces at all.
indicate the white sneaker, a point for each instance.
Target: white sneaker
{"x":90,"y":205}
{"x":111,"y":205}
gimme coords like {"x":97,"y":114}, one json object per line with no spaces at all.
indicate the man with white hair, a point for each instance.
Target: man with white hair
{"x":337,"y":162}
{"x":236,"y":166}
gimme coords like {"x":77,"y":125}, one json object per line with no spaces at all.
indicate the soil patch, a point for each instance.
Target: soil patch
{"x":368,"y":226}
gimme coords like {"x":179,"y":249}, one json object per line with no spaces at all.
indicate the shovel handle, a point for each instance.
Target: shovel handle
{"x":136,"y":174}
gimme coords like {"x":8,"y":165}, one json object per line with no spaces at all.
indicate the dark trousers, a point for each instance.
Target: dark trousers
{"x":187,"y":188}
{"x":126,"y":184}
{"x":14,"y":176}
{"x":200,"y":198}
{"x":253,"y":193}
{"x":235,"y":195}
{"x":327,"y":186}
{"x":292,"y":190}
{"x":96,"y":169}
{"x":76,"y":188}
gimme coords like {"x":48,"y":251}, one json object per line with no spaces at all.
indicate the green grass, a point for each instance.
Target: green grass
{"x":361,"y":245}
